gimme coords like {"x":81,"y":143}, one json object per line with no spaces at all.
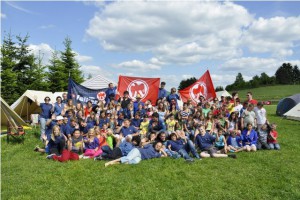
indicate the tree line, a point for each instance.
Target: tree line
{"x":286,"y":74}
{"x":22,"y":70}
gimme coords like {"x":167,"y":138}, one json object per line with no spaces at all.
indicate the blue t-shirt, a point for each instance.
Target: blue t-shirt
{"x":103,"y":121}
{"x":136,"y":105}
{"x":69,"y":130}
{"x":126,"y":147}
{"x":161,"y":126}
{"x":54,"y":144}
{"x":49,"y":128}
{"x":58,"y":108}
{"x":86,"y":128}
{"x":148,"y":152}
{"x":136,"y":122}
{"x":128,"y":131}
{"x":162,"y":93}
{"x":175,"y":145}
{"x":46,"y":110}
{"x":204,"y":142}
{"x":251,"y":138}
{"x":92,"y":145}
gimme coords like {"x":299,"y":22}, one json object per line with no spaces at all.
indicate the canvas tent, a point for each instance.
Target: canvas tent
{"x":286,"y":104}
{"x":98,"y":82}
{"x":294,"y":113}
{"x":222,"y":93}
{"x":26,"y":105}
{"x":7,"y":114}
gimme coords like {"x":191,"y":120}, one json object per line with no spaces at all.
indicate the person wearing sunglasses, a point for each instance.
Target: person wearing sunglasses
{"x":45,"y":114}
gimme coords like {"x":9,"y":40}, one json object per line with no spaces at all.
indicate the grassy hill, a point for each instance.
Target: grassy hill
{"x":260,"y":175}
{"x":271,"y":93}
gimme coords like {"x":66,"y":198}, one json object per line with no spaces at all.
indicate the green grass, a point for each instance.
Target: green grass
{"x":260,"y":175}
{"x":271,"y":93}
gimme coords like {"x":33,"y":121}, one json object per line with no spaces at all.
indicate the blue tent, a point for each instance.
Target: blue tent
{"x":286,"y":104}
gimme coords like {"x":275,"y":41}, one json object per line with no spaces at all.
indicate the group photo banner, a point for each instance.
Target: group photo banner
{"x":145,"y":88}
{"x":79,"y":93}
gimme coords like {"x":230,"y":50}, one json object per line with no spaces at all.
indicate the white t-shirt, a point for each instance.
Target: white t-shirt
{"x":260,"y":115}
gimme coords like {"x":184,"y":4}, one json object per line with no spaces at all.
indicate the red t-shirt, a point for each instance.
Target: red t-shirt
{"x":274,"y":134}
{"x":253,"y":101}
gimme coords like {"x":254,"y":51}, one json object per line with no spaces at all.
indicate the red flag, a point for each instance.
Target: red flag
{"x":203,"y":87}
{"x":146,"y":88}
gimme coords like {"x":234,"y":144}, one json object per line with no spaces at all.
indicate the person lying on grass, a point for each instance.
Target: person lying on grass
{"x":149,"y":151}
{"x":205,"y":142}
{"x":182,"y":146}
{"x":121,"y":149}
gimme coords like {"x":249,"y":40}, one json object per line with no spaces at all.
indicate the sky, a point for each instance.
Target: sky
{"x":172,"y":40}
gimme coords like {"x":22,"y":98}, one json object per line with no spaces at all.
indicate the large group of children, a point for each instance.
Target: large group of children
{"x":129,"y":130}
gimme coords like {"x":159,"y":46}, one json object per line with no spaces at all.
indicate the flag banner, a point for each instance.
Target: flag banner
{"x":82,"y":94}
{"x":203,"y":87}
{"x":146,"y":88}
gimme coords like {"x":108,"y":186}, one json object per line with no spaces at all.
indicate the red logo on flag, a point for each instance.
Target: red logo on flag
{"x":138,"y":87}
{"x":101,"y":96}
{"x":146,"y":88}
{"x":199,"y":89}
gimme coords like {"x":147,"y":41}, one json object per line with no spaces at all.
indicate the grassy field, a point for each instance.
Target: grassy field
{"x":260,"y":175}
{"x":271,"y":93}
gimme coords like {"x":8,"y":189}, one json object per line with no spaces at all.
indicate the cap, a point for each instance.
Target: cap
{"x":138,"y":96}
{"x":59,"y":118}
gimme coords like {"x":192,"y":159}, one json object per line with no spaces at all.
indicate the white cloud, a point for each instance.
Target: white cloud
{"x":49,"y":26}
{"x":137,"y":66}
{"x":95,"y":70}
{"x":43,"y":51}
{"x":82,"y":58}
{"x":3,"y":16}
{"x":186,"y":76}
{"x":174,"y":32}
{"x":226,"y":79}
{"x":276,"y":35}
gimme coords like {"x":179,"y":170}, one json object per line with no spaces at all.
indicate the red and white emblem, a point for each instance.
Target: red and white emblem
{"x":138,"y":87}
{"x":199,"y":89}
{"x":101,"y":96}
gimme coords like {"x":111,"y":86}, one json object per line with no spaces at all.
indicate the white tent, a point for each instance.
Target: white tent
{"x":294,"y":113}
{"x":223,"y":93}
{"x":7,"y":114}
{"x":98,"y":82}
{"x":25,"y":105}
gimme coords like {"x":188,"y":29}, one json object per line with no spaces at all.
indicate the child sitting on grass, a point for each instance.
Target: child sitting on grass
{"x":262,"y":142}
{"x":272,"y":139}
{"x":221,"y":142}
{"x":91,"y":145}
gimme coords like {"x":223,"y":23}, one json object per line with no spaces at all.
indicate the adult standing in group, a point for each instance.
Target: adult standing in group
{"x":125,"y":100}
{"x":250,"y":99}
{"x":137,"y":102}
{"x":248,"y":116}
{"x":173,"y":97}
{"x":110,"y":93}
{"x":64,"y":98}
{"x":162,"y":93}
{"x":45,"y":114}
{"x":58,"y":106}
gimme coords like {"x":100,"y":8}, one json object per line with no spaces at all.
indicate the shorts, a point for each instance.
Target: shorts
{"x":211,"y":150}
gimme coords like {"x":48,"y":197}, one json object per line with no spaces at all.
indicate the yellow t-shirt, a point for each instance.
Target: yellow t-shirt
{"x":171,"y":125}
{"x":144,"y":127}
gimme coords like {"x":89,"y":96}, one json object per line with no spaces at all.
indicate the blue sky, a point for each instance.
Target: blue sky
{"x":172,"y":40}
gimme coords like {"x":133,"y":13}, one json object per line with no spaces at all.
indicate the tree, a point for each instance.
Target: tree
{"x":239,"y":81}
{"x":186,"y":82}
{"x":284,"y":74}
{"x":219,"y":88}
{"x":9,"y":81}
{"x":264,"y":79}
{"x":296,"y":75}
{"x":56,"y":75}
{"x":71,"y":66}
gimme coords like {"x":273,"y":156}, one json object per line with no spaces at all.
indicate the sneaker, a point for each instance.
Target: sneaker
{"x":36,"y":148}
{"x":85,"y":157}
{"x":50,"y":156}
{"x":232,"y":156}
{"x":190,"y":160}
{"x":81,"y":156}
{"x":98,"y":158}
